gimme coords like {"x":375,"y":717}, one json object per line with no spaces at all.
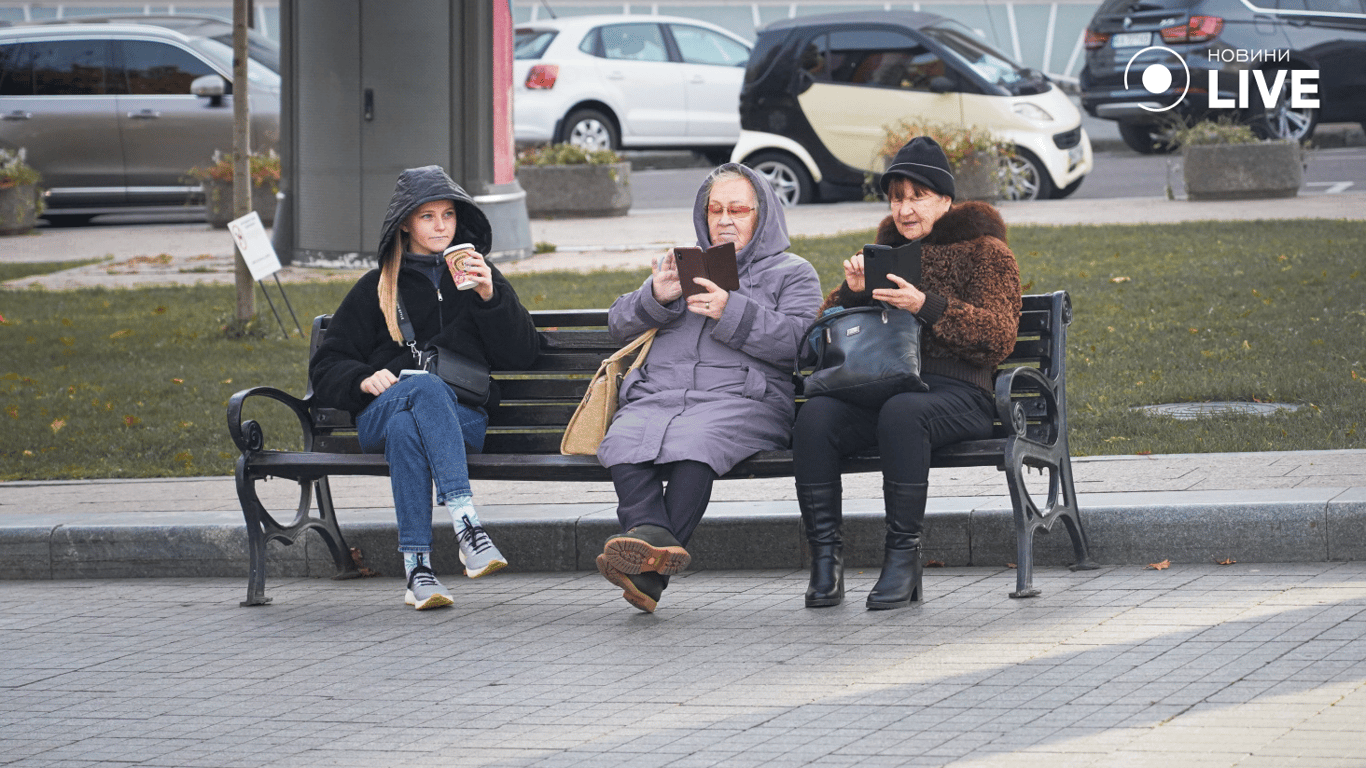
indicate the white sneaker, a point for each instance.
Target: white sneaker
{"x":424,"y":591}
{"x":477,"y":551}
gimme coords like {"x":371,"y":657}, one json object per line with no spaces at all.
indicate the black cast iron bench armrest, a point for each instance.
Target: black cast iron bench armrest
{"x":248,"y":435}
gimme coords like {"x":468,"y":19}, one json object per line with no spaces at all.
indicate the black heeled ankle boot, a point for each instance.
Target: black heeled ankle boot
{"x":821,"y":516}
{"x":899,"y":584}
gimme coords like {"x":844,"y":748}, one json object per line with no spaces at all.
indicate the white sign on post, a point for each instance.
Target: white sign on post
{"x":250,"y":235}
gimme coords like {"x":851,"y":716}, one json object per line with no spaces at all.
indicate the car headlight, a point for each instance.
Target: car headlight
{"x":1032,"y":112}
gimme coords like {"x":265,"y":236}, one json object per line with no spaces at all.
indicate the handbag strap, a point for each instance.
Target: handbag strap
{"x":405,"y":327}
{"x":642,"y":342}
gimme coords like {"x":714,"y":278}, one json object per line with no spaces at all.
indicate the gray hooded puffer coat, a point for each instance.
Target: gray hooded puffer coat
{"x":717,"y":391}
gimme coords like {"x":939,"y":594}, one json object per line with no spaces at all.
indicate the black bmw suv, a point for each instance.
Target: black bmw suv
{"x":1149,"y":63}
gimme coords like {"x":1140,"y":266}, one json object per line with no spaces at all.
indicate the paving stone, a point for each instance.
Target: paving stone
{"x":1131,"y":667}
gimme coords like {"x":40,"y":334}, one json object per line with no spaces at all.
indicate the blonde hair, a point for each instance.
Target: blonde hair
{"x":388,"y":289}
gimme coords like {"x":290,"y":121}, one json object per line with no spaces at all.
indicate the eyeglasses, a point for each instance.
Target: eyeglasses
{"x":736,"y":211}
{"x":923,"y":196}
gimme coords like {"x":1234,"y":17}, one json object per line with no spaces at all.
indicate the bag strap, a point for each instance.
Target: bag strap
{"x":642,"y":343}
{"x":405,"y":327}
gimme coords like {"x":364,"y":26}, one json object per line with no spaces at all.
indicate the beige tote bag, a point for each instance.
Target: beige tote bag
{"x":589,"y":423}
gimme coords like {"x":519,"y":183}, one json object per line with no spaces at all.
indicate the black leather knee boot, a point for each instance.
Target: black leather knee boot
{"x":899,"y":584}
{"x":821,"y":516}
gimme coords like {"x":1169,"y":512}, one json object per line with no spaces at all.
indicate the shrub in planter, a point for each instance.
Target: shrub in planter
{"x":20,"y":199}
{"x":1226,"y":161}
{"x":565,"y":180}
{"x":216,"y":181}
{"x":978,"y":158}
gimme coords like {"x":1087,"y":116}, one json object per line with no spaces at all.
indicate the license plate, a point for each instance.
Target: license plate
{"x":1131,"y":39}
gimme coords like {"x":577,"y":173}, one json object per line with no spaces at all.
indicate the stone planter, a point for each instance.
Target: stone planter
{"x":18,"y":209}
{"x":218,"y":203}
{"x":977,"y":177}
{"x":576,"y":190}
{"x":1242,"y":171}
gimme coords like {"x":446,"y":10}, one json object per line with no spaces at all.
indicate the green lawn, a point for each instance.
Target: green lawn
{"x":115,"y":383}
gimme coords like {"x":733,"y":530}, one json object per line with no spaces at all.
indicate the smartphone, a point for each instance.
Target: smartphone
{"x":882,"y":260}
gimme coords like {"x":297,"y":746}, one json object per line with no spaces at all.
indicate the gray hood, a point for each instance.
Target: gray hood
{"x":770,"y":233}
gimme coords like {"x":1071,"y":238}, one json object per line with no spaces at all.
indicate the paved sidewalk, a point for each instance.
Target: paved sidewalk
{"x":1252,"y":666}
{"x":1255,"y":507}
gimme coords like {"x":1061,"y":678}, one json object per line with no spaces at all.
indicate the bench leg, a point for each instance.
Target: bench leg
{"x":262,"y":528}
{"x":330,"y":530}
{"x":255,"y":515}
{"x":1062,"y":504}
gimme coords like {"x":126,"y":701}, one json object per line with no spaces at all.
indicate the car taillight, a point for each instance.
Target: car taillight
{"x":542,"y":76}
{"x":1199,"y":29}
{"x":1095,"y":40}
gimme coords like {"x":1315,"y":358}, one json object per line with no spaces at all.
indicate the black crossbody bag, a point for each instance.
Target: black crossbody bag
{"x":467,"y":376}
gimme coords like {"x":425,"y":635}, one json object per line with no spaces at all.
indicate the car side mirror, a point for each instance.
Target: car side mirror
{"x":941,"y":84}
{"x":211,"y":87}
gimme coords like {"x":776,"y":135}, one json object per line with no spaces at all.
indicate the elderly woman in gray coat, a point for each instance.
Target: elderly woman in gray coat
{"x":717,"y":384}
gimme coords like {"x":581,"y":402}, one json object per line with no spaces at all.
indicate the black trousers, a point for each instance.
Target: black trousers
{"x":672,"y":496}
{"x":905,"y":430}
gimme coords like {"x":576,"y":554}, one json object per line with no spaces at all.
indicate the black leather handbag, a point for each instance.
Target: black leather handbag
{"x":864,"y":355}
{"x":467,"y":376}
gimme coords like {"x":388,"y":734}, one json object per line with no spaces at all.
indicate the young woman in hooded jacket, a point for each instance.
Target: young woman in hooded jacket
{"x":417,"y":420}
{"x":968,"y":300}
{"x":716,"y":386}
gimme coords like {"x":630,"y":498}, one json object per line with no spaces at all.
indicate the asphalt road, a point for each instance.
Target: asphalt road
{"x":1116,"y":174}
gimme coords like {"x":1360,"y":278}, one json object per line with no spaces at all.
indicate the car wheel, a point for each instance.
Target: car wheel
{"x":591,"y":130}
{"x":1067,"y":191}
{"x":1146,"y":139}
{"x":1283,"y":121}
{"x":786,"y":175}
{"x":1024,"y":177}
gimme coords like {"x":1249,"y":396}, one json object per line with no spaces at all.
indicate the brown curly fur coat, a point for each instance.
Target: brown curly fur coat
{"x":972,"y":293}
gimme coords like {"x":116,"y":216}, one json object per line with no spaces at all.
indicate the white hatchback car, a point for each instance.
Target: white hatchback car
{"x":630,"y":81}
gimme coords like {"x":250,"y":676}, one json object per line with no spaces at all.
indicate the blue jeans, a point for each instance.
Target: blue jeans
{"x":424,"y":433}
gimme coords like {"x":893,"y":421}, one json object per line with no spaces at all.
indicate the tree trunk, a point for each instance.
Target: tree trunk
{"x":241,"y":153}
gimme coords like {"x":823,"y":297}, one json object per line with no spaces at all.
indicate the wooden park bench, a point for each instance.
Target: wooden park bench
{"x":525,"y":428}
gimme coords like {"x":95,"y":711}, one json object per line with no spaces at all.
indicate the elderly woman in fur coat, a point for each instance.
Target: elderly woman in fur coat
{"x":968,"y":300}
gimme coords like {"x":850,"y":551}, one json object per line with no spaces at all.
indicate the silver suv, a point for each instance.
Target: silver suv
{"x":114,"y":115}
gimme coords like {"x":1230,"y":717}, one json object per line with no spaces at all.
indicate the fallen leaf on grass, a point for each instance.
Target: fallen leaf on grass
{"x":57,"y":425}
{"x":1162,"y":566}
{"x":1119,"y":279}
{"x":121,"y":334}
{"x":1227,"y":561}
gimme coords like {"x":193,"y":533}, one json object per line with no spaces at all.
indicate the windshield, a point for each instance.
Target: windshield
{"x":260,"y":50}
{"x":984,"y":60}
{"x":222,"y":56}
{"x":531,"y":43}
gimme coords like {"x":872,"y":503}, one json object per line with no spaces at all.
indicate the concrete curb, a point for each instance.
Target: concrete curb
{"x":1267,"y":525}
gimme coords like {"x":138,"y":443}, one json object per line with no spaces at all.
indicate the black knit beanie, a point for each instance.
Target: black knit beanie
{"x":921,"y":160}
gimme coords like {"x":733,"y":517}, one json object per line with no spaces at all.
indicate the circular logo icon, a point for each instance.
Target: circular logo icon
{"x":1157,"y":78}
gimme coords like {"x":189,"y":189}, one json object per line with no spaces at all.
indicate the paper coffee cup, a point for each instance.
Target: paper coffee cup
{"x":455,"y":257}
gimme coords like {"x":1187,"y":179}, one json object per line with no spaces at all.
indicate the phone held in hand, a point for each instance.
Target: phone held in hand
{"x":882,"y":260}
{"x":716,"y":264}
{"x":455,"y":258}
